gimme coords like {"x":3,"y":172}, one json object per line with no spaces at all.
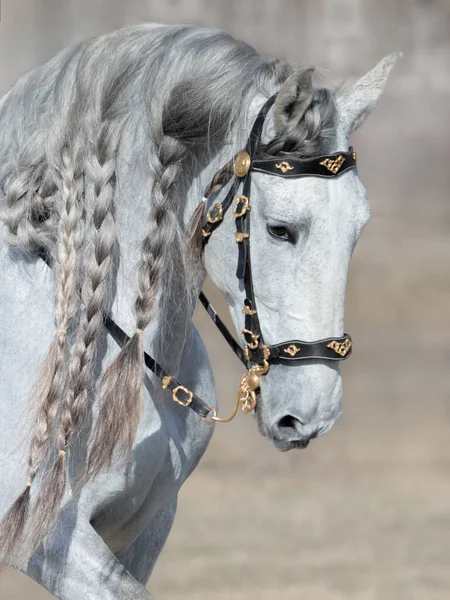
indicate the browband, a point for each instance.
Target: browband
{"x":327,"y":166}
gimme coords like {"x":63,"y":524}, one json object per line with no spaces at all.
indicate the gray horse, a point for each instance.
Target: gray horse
{"x":104,"y":155}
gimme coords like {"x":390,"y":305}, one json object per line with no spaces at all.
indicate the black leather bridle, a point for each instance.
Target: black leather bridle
{"x":256,"y":352}
{"x":256,"y":356}
{"x":292,"y":351}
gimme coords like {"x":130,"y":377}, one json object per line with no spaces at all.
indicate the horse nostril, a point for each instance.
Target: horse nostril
{"x":290,"y":422}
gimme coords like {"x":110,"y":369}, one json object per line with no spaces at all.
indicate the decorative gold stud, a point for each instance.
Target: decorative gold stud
{"x":242,"y":202}
{"x":333,"y":165}
{"x":206,"y":234}
{"x":284,"y":167}
{"x":215,"y":214}
{"x":341,"y":348}
{"x":266,"y":352}
{"x":242,"y":164}
{"x":354,"y":155}
{"x":240,"y":237}
{"x":254,"y":337}
{"x":292,"y":350}
{"x":166,"y":381}
{"x":248,"y":311}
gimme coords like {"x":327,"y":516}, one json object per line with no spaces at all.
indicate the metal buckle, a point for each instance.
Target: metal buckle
{"x":189,"y":394}
{"x":216,"y":210}
{"x":213,"y":418}
{"x":255,"y":339}
{"x":245,"y":207}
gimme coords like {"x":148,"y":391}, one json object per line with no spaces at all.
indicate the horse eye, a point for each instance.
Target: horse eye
{"x":279,"y":231}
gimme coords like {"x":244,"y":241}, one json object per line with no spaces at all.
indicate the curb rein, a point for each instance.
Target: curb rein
{"x":256,"y":352}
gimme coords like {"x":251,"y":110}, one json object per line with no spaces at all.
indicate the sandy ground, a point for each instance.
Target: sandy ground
{"x":364,"y":512}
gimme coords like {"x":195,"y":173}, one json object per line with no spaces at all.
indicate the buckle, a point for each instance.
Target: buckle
{"x":215,"y":213}
{"x":242,"y":206}
{"x":182,"y":402}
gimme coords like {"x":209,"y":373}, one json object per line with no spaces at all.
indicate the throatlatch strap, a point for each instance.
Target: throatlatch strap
{"x":169,"y":382}
{"x":223,"y":328}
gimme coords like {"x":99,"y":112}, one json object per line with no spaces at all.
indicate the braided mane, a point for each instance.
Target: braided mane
{"x":62,"y":127}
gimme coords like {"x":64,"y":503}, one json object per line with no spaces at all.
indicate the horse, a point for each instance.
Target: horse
{"x":118,"y":160}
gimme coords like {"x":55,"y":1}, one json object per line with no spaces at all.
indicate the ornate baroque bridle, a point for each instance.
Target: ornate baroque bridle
{"x":256,"y":352}
{"x":256,"y":355}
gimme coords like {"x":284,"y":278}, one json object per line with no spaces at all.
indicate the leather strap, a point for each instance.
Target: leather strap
{"x":328,"y":166}
{"x":121,"y":338}
{"x":287,"y":353}
{"x":234,"y":345}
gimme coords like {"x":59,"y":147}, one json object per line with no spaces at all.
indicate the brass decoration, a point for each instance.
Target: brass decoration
{"x":166,"y":381}
{"x":254,"y":337}
{"x":215,"y":214}
{"x":354,"y":155}
{"x":240,"y":237}
{"x":284,"y":167}
{"x":246,"y":396}
{"x":248,"y":311}
{"x":266,"y":352}
{"x":333,"y":165}
{"x":242,"y":164}
{"x":246,"y":354}
{"x":250,"y":384}
{"x":210,"y":420}
{"x":245,"y":207}
{"x":206,"y":234}
{"x":341,"y":348}
{"x":292,"y":350}
{"x":189,"y":396}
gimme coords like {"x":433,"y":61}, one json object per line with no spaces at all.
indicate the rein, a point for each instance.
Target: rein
{"x":256,"y":352}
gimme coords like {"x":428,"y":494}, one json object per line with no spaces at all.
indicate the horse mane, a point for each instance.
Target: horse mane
{"x":189,"y":89}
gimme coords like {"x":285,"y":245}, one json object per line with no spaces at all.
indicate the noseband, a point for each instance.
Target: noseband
{"x":256,"y":355}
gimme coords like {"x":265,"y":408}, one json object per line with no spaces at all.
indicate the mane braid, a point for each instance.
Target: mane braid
{"x":185,"y":93}
{"x":51,"y":379}
{"x":100,"y":189}
{"x":122,"y":386}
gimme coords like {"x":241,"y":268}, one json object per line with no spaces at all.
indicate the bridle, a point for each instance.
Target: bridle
{"x":256,"y":355}
{"x":256,"y":352}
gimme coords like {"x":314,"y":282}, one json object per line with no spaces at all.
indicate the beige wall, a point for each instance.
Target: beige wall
{"x":364,"y":513}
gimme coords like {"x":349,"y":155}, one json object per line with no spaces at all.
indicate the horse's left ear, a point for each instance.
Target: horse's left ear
{"x":355,"y":104}
{"x":293,"y":99}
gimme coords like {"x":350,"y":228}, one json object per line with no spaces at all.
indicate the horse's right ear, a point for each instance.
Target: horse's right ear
{"x":293,"y":99}
{"x":356,"y":103}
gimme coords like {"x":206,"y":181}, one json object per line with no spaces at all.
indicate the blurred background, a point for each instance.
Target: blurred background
{"x":364,"y":512}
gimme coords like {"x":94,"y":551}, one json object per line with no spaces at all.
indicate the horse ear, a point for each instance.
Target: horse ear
{"x":356,"y":103}
{"x":293,"y":99}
